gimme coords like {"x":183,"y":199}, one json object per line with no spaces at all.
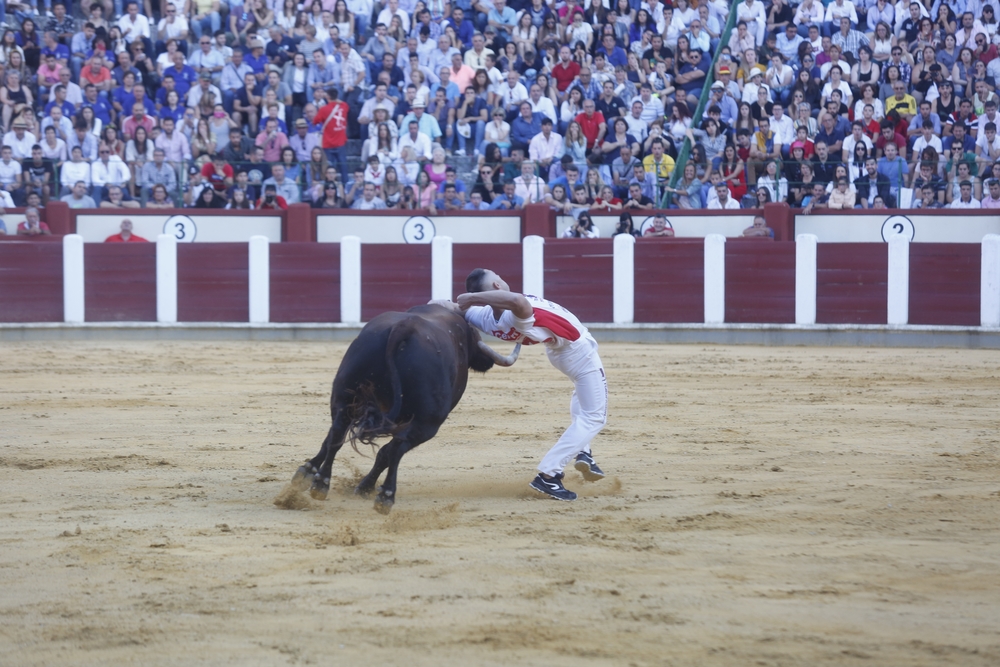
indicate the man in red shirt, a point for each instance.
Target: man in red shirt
{"x":125,"y":235}
{"x":565,"y":71}
{"x":887,"y":135}
{"x":218,"y":173}
{"x":332,"y":118}
{"x":592,"y":123}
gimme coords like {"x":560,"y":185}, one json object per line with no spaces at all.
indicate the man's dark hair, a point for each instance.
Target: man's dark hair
{"x":474,"y":281}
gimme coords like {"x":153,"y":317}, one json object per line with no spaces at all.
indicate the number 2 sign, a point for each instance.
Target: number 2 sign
{"x":895,"y":225}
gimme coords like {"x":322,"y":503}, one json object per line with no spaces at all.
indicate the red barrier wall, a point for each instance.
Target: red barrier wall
{"x":394,"y":277}
{"x":212,"y":282}
{"x":579,"y":276}
{"x":31,"y":282}
{"x":305,"y":282}
{"x":669,"y":280}
{"x":760,"y":281}
{"x":119,"y":282}
{"x":945,"y":283}
{"x":851,"y":285}
{"x":502,"y":258}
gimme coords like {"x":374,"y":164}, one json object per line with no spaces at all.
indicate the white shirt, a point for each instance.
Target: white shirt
{"x":138,"y":29}
{"x":550,"y":324}
{"x":920,"y":144}
{"x":512,"y":96}
{"x":421,"y":145}
{"x":850,"y":143}
{"x":9,"y":171}
{"x":784,"y":130}
{"x":835,"y":11}
{"x":545,"y":107}
{"x":541,"y":148}
{"x":71,"y":172}
{"x":73,"y":95}
{"x":972,"y":203}
{"x":172,"y":30}
{"x":731,"y":204}
{"x":20,"y":148}
{"x":115,"y":172}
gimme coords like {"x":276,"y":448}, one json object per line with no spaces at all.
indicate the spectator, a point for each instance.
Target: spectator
{"x":367,"y":202}
{"x":759,"y":229}
{"x":723,"y":200}
{"x":125,"y":234}
{"x":509,"y":200}
{"x":582,"y":228}
{"x":626,"y":226}
{"x":992,"y":199}
{"x":659,"y":228}
{"x":32,"y":225}
{"x":871,"y":185}
{"x":965,"y":199}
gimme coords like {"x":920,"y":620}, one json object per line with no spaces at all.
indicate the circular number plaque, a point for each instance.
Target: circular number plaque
{"x":181,"y":227}
{"x":897,"y":224}
{"x":418,"y":229}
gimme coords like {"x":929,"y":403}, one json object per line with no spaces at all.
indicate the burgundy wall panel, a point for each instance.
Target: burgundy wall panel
{"x":305,"y":282}
{"x":760,"y":282}
{"x":945,"y":283}
{"x":851,"y":285}
{"x":669,"y":280}
{"x":503,"y":258}
{"x":31,"y":282}
{"x":120,"y":282}
{"x":394,"y":277}
{"x":579,"y":276}
{"x":213,"y":282}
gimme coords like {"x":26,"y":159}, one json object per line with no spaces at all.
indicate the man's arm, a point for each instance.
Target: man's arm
{"x":515,"y":303}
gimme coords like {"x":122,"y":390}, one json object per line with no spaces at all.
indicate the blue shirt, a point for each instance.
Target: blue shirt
{"x":258,"y":65}
{"x":61,"y":52}
{"x":522,"y":132}
{"x":483,"y":206}
{"x":517,"y":202}
{"x":464,"y":31}
{"x":617,"y":57}
{"x":183,"y":80}
{"x":68,"y":109}
{"x":177,"y":114}
{"x":102,"y":109}
{"x":507,"y":20}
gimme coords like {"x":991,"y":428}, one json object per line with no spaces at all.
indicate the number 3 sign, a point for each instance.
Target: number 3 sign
{"x":181,"y":227}
{"x":418,"y":229}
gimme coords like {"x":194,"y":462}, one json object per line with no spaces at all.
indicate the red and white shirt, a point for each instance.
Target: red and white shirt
{"x":550,"y":324}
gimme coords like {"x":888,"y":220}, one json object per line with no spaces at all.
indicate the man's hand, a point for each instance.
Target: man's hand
{"x":445,"y":303}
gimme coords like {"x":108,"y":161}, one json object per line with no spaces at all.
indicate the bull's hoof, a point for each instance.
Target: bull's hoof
{"x":384,"y":501}
{"x":302,"y":477}
{"x":363,"y":490}
{"x":383,"y":505}
{"x":320,"y":489}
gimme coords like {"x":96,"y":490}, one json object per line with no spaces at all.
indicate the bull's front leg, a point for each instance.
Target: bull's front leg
{"x":304,"y":476}
{"x":320,"y":487}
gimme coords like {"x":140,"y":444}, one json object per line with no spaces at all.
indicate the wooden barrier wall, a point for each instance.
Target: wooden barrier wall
{"x":579,"y":277}
{"x":305,"y":282}
{"x":669,"y":280}
{"x":945,"y":280}
{"x":31,"y":282}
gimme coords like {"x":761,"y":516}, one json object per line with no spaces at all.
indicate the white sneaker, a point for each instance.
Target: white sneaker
{"x":460,"y":152}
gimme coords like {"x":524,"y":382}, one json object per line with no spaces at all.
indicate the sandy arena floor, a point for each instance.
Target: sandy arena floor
{"x":764,"y":507}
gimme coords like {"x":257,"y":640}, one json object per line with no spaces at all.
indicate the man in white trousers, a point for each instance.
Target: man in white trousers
{"x":491,"y":307}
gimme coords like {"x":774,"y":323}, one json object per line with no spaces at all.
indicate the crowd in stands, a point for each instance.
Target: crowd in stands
{"x":581,"y":104}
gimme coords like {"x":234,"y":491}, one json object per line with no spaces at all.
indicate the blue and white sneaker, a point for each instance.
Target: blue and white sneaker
{"x":586,"y":465}
{"x":552,"y":486}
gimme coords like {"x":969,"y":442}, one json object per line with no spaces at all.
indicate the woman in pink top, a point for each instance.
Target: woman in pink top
{"x":435,"y":170}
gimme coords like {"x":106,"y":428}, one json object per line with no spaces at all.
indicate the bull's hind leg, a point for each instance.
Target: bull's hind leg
{"x":367,"y":484}
{"x":412,"y":436}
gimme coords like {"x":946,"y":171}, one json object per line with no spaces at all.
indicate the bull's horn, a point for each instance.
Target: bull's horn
{"x":497,"y":358}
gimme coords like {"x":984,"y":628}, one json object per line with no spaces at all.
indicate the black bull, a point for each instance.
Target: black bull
{"x":401,"y":377}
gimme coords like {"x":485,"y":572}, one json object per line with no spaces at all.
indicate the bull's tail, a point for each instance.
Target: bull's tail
{"x":370,"y":422}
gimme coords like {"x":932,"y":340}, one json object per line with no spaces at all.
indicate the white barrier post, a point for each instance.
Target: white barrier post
{"x":989,"y":300}
{"x":533,"y":266}
{"x":715,"y":279}
{"x":805,"y":278}
{"x":260,"y":279}
{"x":624,"y":279}
{"x":898,"y":280}
{"x":350,"y":279}
{"x":441,"y":275}
{"x":73,"y":306}
{"x":166,"y":278}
